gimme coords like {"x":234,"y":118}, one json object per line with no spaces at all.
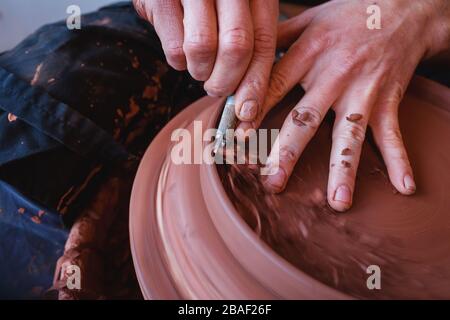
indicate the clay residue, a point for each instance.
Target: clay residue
{"x":301,"y":119}
{"x":347,"y":152}
{"x":354,"y":117}
{"x":11,"y":117}
{"x":37,"y":74}
{"x":406,"y":237}
{"x":305,"y":231}
{"x":102,"y":22}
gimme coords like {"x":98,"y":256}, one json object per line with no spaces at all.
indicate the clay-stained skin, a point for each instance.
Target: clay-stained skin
{"x":301,"y":119}
{"x":407,"y":237}
{"x":354,"y":117}
{"x":347,"y":152}
{"x":346,"y":164}
{"x":305,"y":118}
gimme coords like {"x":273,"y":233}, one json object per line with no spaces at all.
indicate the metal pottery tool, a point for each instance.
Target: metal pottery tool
{"x":228,"y":120}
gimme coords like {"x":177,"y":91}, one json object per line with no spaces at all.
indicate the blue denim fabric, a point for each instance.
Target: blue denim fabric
{"x":69,"y":102}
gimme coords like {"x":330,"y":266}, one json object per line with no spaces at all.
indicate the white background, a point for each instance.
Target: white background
{"x":19,"y":18}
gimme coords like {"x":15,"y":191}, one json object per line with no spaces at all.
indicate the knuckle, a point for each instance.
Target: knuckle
{"x":218,"y":90}
{"x":174,"y":52}
{"x":392,"y":99}
{"x":140,"y":7}
{"x":237,"y":42}
{"x":288,"y":155}
{"x":255,"y":84}
{"x":306,"y":116}
{"x":392,"y":137}
{"x":346,"y":170}
{"x":397,"y":94}
{"x":346,"y":64}
{"x":354,"y":133}
{"x":201,"y":46}
{"x":278,"y":85}
{"x":322,"y":39}
{"x":164,"y":7}
{"x":310,"y":49}
{"x":265,"y":43}
{"x":318,"y":42}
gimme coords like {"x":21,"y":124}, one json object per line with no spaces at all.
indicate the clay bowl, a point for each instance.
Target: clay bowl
{"x":189,"y":242}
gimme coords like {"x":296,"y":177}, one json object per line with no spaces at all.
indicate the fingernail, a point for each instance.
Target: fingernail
{"x":212,"y":94}
{"x":275,"y":182}
{"x":343,"y":194}
{"x":248,"y":110}
{"x":409,"y":183}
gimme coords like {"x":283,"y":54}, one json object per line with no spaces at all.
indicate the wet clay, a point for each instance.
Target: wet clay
{"x":189,"y":239}
{"x":407,"y":237}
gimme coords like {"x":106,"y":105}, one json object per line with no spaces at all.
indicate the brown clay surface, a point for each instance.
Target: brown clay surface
{"x":407,"y":237}
{"x":188,"y":241}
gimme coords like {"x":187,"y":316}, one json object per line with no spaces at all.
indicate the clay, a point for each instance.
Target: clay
{"x":354,"y":117}
{"x":407,"y":237}
{"x":208,"y":232}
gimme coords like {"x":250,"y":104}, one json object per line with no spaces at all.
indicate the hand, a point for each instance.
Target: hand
{"x":362,"y":74}
{"x":230,"y":44}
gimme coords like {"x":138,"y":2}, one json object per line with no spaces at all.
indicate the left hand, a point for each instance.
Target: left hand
{"x":362,"y":74}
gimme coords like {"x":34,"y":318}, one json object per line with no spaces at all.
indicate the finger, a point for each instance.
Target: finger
{"x":141,"y":9}
{"x":235,"y":47}
{"x":288,"y":72}
{"x":251,"y":92}
{"x":352,"y":114}
{"x":168,"y":23}
{"x":290,"y":30}
{"x":387,"y":135}
{"x":200,"y":37}
{"x":299,"y":127}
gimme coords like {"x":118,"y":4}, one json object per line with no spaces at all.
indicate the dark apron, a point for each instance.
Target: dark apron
{"x":73,"y":104}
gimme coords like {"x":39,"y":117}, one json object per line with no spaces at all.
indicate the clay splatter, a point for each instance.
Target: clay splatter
{"x":354,"y":117}
{"x":301,"y":119}
{"x":346,"y":164}
{"x":135,"y":62}
{"x":11,"y":117}
{"x":134,"y":110}
{"x":150,"y":93}
{"x":347,"y":152}
{"x":36,"y":219}
{"x":37,"y":74}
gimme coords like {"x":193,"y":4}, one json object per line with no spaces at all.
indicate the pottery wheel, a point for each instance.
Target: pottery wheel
{"x":184,"y":246}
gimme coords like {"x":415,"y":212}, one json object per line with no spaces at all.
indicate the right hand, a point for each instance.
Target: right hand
{"x":229,"y":44}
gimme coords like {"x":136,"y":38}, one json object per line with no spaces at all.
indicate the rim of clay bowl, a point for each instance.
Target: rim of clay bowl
{"x":153,"y":276}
